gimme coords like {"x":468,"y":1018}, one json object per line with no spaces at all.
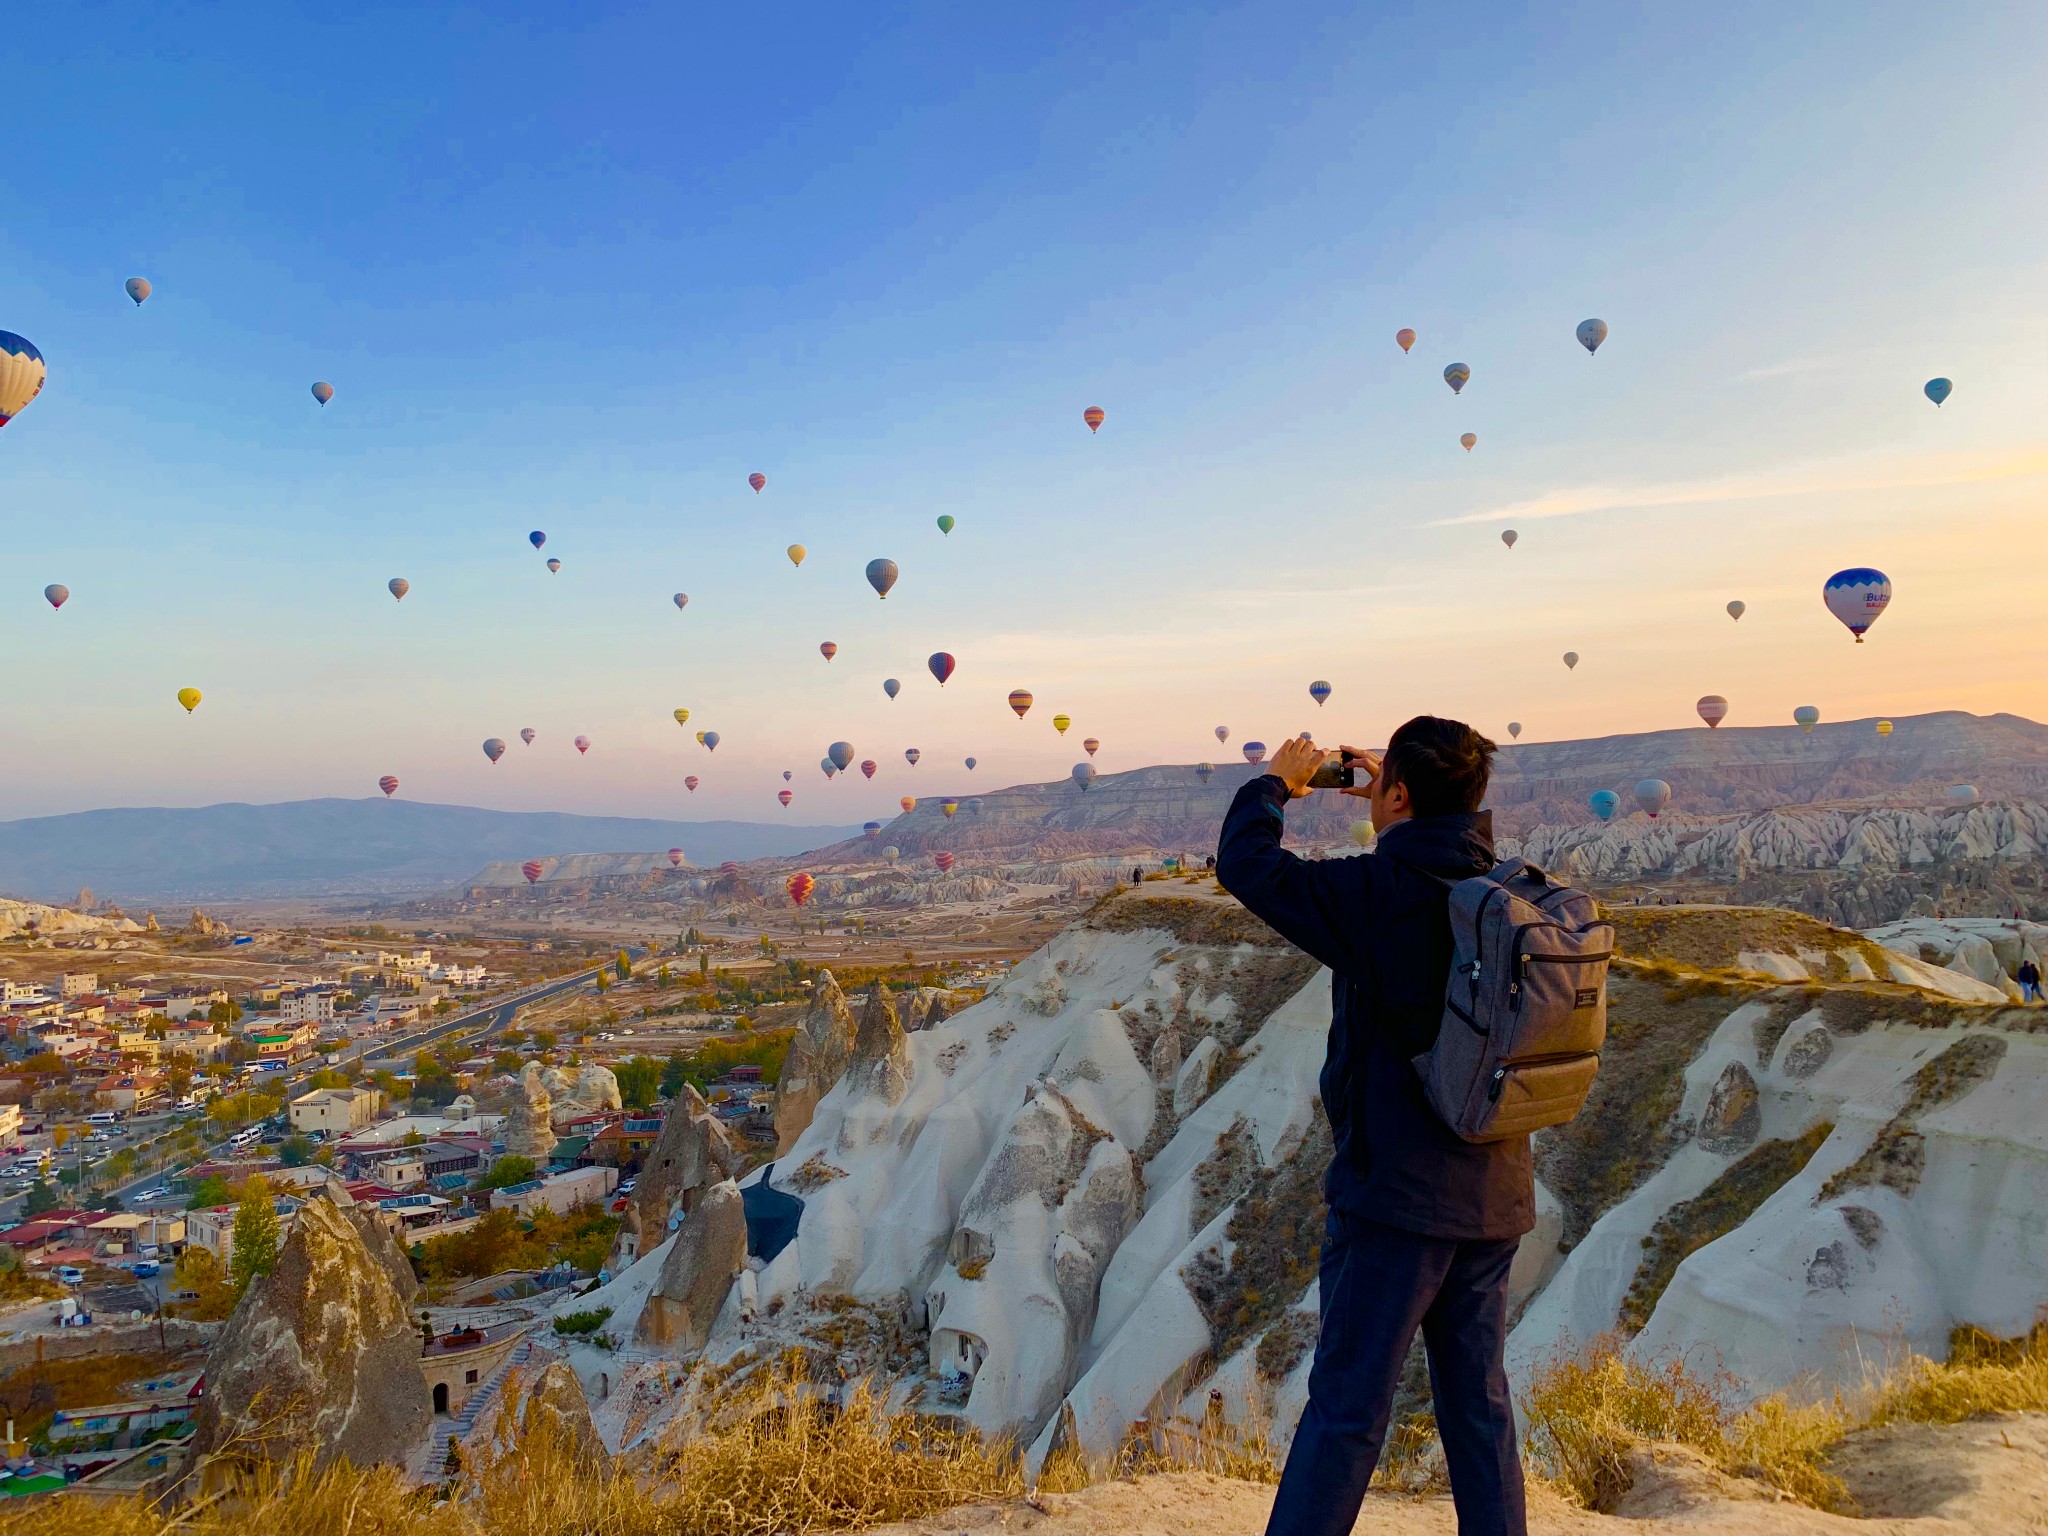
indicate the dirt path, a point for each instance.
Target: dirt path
{"x":1985,"y":1478}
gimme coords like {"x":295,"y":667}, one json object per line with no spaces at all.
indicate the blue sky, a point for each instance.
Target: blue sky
{"x":585,"y":273}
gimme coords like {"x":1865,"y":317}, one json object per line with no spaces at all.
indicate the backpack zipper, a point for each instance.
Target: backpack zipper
{"x":1515,"y":1063}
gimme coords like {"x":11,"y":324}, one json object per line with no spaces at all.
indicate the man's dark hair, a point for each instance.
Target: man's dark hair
{"x":1444,"y":764}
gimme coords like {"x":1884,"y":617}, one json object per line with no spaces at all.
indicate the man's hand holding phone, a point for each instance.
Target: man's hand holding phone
{"x":1302,"y":766}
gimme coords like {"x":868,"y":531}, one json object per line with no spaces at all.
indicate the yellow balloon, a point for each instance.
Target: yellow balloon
{"x":1361,"y":833}
{"x":189,"y":697}
{"x":1884,"y":727}
{"x":700,"y":738}
{"x":797,"y":553}
{"x":1060,"y":723}
{"x":682,"y":717}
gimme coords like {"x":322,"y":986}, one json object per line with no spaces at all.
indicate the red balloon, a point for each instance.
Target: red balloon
{"x":389,"y":784}
{"x":800,"y":888}
{"x":785,"y":796}
{"x":944,"y":861}
{"x":757,"y":480}
{"x":828,"y":650}
{"x":691,"y":783}
{"x":941,"y":664}
{"x":867,"y":767}
{"x":1093,"y":416}
{"x":1020,"y":701}
{"x":675,"y":858}
{"x":530,"y":869}
{"x":728,"y":868}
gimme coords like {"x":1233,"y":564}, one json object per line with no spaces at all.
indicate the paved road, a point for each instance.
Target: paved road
{"x":479,"y":1023}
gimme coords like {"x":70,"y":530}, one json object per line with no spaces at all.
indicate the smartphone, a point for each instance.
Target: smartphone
{"x":1334,"y":774}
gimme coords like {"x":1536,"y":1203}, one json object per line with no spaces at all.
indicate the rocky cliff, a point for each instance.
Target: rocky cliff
{"x":1094,"y":1195}
{"x":320,"y":1354}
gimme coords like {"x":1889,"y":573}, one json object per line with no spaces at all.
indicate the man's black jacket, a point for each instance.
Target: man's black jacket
{"x":1383,"y":929}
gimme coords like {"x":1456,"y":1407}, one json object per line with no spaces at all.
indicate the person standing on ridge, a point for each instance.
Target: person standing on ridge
{"x":1423,"y":1225}
{"x":2029,"y":978}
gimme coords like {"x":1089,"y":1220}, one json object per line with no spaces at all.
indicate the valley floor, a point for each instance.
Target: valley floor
{"x":1987,"y":1477}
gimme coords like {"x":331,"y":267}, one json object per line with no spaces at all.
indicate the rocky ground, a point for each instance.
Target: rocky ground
{"x":1975,"y":1479}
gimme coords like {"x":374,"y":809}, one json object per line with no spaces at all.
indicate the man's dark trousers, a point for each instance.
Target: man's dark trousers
{"x":1379,"y":1284}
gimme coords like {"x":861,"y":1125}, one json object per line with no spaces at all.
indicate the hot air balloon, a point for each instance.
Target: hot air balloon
{"x":1653,"y":795}
{"x":1061,"y":722}
{"x":1020,"y":701}
{"x":1456,"y":376}
{"x":1571,"y":659}
{"x":1737,"y":608}
{"x":825,"y":766}
{"x":882,"y":576}
{"x":891,"y":687}
{"x":700,"y":738}
{"x":841,"y":753}
{"x":944,"y":860}
{"x":946,"y":523}
{"x":828,"y":650}
{"x":970,"y":765}
{"x":494,"y":748}
{"x":536,"y":538}
{"x":941,"y":664}
{"x":323,"y":391}
{"x":1222,"y":733}
{"x":1083,"y":774}
{"x":1604,"y":803}
{"x":1362,"y":832}
{"x":1466,"y":440}
{"x":948,"y":807}
{"x":56,"y":594}
{"x":867,"y":767}
{"x":974,"y":806}
{"x":891,"y":855}
{"x":871,"y":828}
{"x":1508,"y":537}
{"x":681,"y":599}
{"x":1203,"y":770}
{"x":22,"y":372}
{"x":1962,"y":794}
{"x":909,"y":804}
{"x":138,"y":289}
{"x":787,"y":775}
{"x":1090,"y":746}
{"x":911,"y":755}
{"x":1255,"y":751}
{"x":582,"y":745}
{"x":398,"y":586}
{"x":757,"y":480}
{"x":531,"y":869}
{"x":690,"y":783}
{"x":729,"y":867}
{"x":1857,"y":597}
{"x":1514,"y":730}
{"x":1320,"y":692}
{"x":1884,"y":727}
{"x":553,"y":566}
{"x":682,"y":717}
{"x":1937,"y":390}
{"x":800,"y":888}
{"x":675,"y":858}
{"x":1713,"y":709}
{"x":389,"y":784}
{"x":527,"y":734}
{"x":1404,"y":338}
{"x":785,"y":796}
{"x":796,"y":553}
{"x":189,"y":697}
{"x":1093,"y":416}
{"x":1591,"y":333}
{"x":1807,"y":717}
{"x":711,"y":741}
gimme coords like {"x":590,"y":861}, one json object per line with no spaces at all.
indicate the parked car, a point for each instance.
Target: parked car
{"x":69,"y":1274}
{"x":144,"y":1268}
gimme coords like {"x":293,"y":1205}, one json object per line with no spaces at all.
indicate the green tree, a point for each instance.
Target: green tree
{"x":623,"y":966}
{"x":255,"y":1237}
{"x":223,"y":1013}
{"x":510,"y":1169}
{"x":638,"y":1077}
{"x":543,"y":1039}
{"x":199,"y":1272}
{"x":296,"y":1152}
{"x":327,"y":1077}
{"x":674,"y":1073}
{"x":41,"y":1198}
{"x":211,"y":1190}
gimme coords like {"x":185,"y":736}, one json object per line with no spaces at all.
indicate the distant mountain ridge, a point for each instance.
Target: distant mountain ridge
{"x":336,"y":847}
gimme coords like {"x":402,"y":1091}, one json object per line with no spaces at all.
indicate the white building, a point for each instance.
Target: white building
{"x":306,"y":1005}
{"x":21,"y":992}
{"x":559,"y":1192}
{"x":78,"y":983}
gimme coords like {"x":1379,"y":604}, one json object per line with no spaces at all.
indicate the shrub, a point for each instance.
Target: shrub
{"x":576,"y":1324}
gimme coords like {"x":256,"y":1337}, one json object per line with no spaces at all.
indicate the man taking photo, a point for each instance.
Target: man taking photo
{"x":1423,"y":1225}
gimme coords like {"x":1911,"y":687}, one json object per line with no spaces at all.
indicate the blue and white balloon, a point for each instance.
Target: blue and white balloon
{"x":1857,"y":597}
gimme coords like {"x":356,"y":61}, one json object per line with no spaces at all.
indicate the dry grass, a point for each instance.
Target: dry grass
{"x":1982,"y":1375}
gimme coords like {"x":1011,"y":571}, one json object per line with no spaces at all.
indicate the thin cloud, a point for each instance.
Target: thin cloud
{"x":1828,"y":479}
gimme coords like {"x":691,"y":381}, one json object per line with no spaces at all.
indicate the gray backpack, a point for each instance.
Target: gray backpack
{"x":1525,"y":1011}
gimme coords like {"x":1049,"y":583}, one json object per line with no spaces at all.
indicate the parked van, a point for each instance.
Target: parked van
{"x":69,"y":1274}
{"x":246,"y":1138}
{"x":103,"y":1117}
{"x":144,"y":1268}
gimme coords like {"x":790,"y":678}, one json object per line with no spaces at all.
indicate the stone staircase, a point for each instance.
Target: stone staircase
{"x":457,"y":1426}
